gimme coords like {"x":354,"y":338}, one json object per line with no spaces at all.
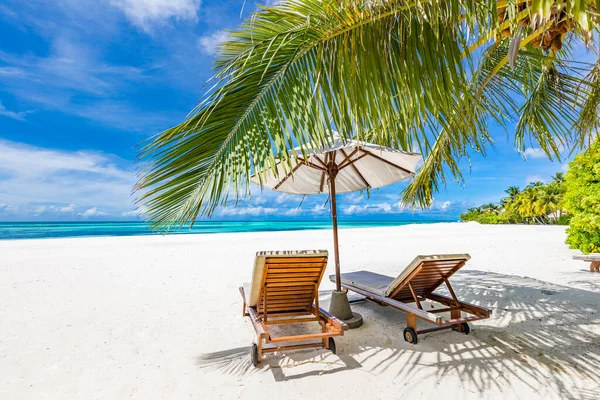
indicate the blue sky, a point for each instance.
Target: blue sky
{"x":82,"y":82}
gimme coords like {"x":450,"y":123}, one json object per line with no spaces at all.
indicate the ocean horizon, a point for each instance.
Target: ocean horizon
{"x":48,"y":230}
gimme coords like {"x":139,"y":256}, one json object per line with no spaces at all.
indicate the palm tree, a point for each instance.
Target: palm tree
{"x":525,"y":204}
{"x":558,"y":178}
{"x":512,"y":192}
{"x":533,"y":185}
{"x":491,"y":208}
{"x":547,"y":202}
{"x":429,"y":74}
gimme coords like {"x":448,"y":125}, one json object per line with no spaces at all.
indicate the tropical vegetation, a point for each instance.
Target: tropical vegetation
{"x":427,"y":75}
{"x":582,"y":200}
{"x":538,"y":203}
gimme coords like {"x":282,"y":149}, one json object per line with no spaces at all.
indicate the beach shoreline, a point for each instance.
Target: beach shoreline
{"x":73,"y":229}
{"x":160,"y":316}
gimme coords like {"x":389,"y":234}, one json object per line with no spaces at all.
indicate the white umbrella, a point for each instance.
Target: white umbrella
{"x":344,"y":166}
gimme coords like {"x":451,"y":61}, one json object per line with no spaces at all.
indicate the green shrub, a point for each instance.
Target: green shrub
{"x":582,"y":200}
{"x":564,"y":219}
{"x":470,"y":215}
{"x":484,"y":217}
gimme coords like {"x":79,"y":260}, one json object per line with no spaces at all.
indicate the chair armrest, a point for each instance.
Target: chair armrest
{"x":333,"y":320}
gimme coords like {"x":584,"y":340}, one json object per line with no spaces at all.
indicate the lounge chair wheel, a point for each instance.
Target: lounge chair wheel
{"x":254,"y":354}
{"x":462,"y":327}
{"x":410,"y":335}
{"x":332,"y":345}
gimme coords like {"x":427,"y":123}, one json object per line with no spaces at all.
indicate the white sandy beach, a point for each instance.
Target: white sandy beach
{"x":160,"y":318}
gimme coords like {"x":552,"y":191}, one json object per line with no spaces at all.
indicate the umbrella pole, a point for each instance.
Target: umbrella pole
{"x":339,"y":305}
{"x":336,"y":249}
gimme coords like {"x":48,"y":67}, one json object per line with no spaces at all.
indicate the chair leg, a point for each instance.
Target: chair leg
{"x":324,"y":330}
{"x":455,"y":314}
{"x":259,"y":344}
{"x":411,"y":321}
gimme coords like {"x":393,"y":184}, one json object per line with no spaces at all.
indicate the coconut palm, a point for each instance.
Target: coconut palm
{"x":558,"y":178}
{"x":491,"y":208}
{"x":414,"y":75}
{"x":534,"y":185}
{"x":512,"y":192}
{"x":547,"y":201}
{"x":525,"y":204}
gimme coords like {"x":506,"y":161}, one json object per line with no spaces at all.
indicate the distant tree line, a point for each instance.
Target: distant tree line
{"x":538,"y":203}
{"x":572,"y":199}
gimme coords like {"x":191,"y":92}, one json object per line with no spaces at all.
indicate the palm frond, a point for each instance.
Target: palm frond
{"x":293,"y":73}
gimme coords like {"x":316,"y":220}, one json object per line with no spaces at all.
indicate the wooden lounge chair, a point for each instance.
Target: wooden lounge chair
{"x":285,"y":290}
{"x":415,"y":284}
{"x":594,"y":259}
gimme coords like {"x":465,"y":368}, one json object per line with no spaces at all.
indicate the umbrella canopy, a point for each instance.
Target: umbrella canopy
{"x":344,"y":166}
{"x":360,"y":166}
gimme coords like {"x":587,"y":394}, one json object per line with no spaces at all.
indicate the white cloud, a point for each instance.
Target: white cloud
{"x":292,"y":212}
{"x":534,"y":152}
{"x":247,"y":211}
{"x":133,"y":213}
{"x":534,"y":178}
{"x":283,"y":198}
{"x":11,"y":71}
{"x":45,"y":209}
{"x":209,"y":43}
{"x":259,"y":200}
{"x":30,"y":176}
{"x":11,"y":209}
{"x":37,"y":162}
{"x":19,"y":116}
{"x":73,"y":66}
{"x":319,"y":209}
{"x":381,"y":208}
{"x":146,"y":13}
{"x":445,"y":205}
{"x":68,"y":209}
{"x":40,"y":210}
{"x":92,"y":212}
{"x":354,"y":198}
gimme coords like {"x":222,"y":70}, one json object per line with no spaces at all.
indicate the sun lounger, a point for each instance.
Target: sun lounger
{"x":285,"y":290}
{"x":594,"y":259}
{"x":414,"y":285}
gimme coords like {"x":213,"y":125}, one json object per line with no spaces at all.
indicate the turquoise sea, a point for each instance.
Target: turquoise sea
{"x":40,"y":230}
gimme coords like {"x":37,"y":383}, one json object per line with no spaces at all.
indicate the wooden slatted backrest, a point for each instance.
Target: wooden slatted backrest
{"x":291,"y":281}
{"x":425,"y":274}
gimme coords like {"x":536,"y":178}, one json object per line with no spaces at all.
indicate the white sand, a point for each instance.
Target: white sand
{"x":160,"y":317}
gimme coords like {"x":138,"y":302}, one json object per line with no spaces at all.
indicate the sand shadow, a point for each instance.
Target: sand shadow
{"x":233,"y":361}
{"x":237,"y":362}
{"x":547,"y":337}
{"x":540,"y":335}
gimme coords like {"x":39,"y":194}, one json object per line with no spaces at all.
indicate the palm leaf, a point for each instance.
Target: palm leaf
{"x":293,"y":73}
